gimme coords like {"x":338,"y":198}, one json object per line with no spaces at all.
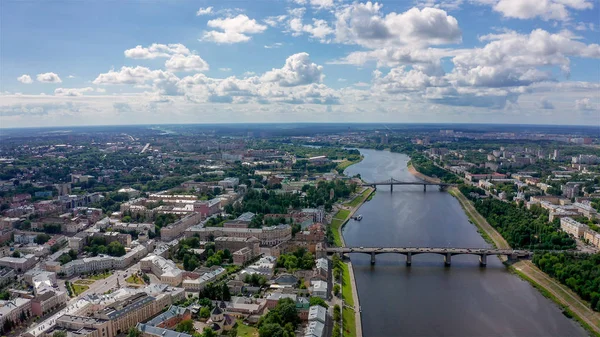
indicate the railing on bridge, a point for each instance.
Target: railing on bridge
{"x":446,"y":252}
{"x":393,"y":182}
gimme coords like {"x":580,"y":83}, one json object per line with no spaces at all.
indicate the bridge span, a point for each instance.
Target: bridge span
{"x":391,"y":182}
{"x":447,"y":253}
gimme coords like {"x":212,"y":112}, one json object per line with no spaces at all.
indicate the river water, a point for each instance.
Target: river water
{"x":428,"y":299}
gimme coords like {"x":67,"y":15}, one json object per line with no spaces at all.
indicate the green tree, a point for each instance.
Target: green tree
{"x":133,"y":332}
{"x":208,"y":332}
{"x":226,"y":295}
{"x":204,"y":312}
{"x":16,"y":254}
{"x":42,"y":238}
{"x":187,"y":326}
{"x":115,"y":248}
{"x":318,"y":301}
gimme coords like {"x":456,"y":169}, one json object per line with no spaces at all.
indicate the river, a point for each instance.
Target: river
{"x":428,"y":299}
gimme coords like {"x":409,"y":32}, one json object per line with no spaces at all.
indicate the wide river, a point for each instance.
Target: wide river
{"x":428,"y":299}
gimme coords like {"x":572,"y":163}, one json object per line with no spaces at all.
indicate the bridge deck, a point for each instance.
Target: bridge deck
{"x":418,"y":250}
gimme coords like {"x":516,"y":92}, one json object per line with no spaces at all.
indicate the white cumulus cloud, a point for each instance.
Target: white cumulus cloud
{"x":233,"y":29}
{"x":545,"y":9}
{"x":48,"y":78}
{"x":204,"y":11}
{"x":25,"y":79}
{"x":185,"y":63}
{"x":298,"y":70}
{"x":156,"y":50}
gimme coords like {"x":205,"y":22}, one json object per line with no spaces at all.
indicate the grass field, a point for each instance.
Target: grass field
{"x":349,"y":320}
{"x":84,"y":282}
{"x":344,"y":165}
{"x":346,"y":286}
{"x":79,"y":288}
{"x":338,"y":219}
{"x":245,"y":330}
{"x":356,"y":201}
{"x":134,"y":279}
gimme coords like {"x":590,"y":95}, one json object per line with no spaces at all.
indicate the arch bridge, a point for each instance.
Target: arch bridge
{"x":391,"y":182}
{"x":447,"y":253}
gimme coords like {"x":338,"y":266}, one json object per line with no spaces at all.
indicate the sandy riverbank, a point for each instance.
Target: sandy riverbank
{"x":421,"y":176}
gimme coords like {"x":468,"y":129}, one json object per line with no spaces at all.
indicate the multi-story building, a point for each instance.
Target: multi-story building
{"x":573,"y":227}
{"x":240,"y":222}
{"x":200,"y":282}
{"x":176,"y":229}
{"x":12,"y":309}
{"x":586,"y":210}
{"x":234,"y":244}
{"x":592,"y":237}
{"x":47,"y":302}
{"x":268,"y":236}
{"x":123,"y":239}
{"x":92,"y":327}
{"x":242,"y":256}
{"x":104,"y":262}
{"x":163,"y":268}
{"x":128,"y":312}
{"x":229,"y":182}
{"x":208,"y":207}
{"x":20,"y":264}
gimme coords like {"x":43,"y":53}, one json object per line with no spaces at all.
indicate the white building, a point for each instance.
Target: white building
{"x":573,"y":227}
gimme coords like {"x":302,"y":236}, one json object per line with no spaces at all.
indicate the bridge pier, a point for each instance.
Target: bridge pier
{"x":424,"y":188}
{"x":391,"y":187}
{"x":448,"y":259}
{"x":483,"y":260}
{"x":372,"y":258}
{"x":408,"y":259}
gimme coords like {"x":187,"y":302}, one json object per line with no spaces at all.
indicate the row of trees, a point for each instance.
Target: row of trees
{"x":523,"y":228}
{"x":579,"y":272}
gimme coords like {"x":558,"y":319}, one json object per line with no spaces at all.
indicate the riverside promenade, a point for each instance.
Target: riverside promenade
{"x":365,"y":196}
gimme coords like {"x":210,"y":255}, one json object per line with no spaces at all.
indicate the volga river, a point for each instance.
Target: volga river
{"x":428,"y":299}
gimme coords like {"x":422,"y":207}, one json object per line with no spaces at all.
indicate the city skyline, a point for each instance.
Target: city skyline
{"x":496,"y":61}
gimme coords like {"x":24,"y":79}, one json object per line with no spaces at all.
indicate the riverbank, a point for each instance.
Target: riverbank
{"x":351,"y":308}
{"x":485,"y":229}
{"x":570,"y":302}
{"x":420,"y":175}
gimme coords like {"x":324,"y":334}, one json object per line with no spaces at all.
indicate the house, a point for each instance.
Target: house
{"x":319,"y":288}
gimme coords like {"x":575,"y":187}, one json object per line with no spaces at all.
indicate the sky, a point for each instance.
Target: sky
{"x":73,"y":62}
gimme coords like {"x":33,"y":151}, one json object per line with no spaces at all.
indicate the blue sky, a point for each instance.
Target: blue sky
{"x":505,"y":61}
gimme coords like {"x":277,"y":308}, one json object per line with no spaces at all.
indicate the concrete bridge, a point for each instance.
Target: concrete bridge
{"x":391,"y":182}
{"x":447,"y":253}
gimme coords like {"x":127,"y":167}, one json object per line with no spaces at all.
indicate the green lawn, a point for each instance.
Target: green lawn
{"x":356,"y":201}
{"x":99,"y":276}
{"x":338,"y":219}
{"x":134,"y":279}
{"x":244,"y":330}
{"x":78,"y":289}
{"x":346,"y":286}
{"x":349,"y":322}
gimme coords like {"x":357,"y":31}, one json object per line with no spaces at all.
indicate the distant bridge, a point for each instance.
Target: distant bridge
{"x":447,"y":253}
{"x":391,"y":182}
